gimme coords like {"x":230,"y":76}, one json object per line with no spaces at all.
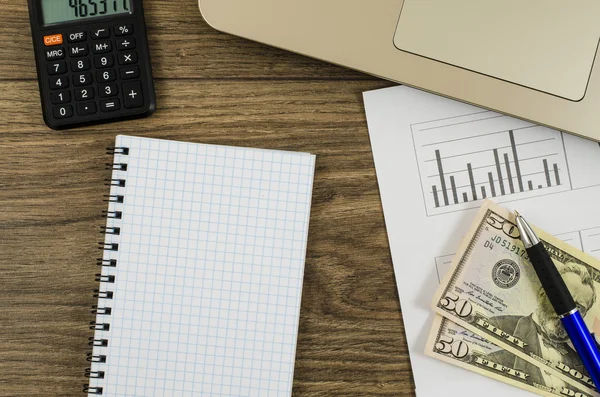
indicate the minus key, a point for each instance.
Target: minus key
{"x":130,"y":72}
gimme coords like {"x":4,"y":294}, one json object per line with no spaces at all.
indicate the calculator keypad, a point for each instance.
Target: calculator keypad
{"x":93,"y":71}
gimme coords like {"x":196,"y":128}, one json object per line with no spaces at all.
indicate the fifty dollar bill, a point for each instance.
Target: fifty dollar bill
{"x":453,"y":344}
{"x":492,"y":290}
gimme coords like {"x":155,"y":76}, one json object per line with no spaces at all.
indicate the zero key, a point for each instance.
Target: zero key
{"x":62,"y":112}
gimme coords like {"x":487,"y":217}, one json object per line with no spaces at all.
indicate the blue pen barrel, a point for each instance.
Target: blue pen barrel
{"x":584,"y":344}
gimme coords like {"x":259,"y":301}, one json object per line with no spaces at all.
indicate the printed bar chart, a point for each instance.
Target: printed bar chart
{"x":508,"y":163}
{"x":464,"y":160}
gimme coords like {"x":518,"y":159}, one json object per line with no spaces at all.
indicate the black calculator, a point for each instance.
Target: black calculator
{"x":93,"y":62}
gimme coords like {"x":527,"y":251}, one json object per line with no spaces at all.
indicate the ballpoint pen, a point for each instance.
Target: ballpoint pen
{"x":561,"y":299}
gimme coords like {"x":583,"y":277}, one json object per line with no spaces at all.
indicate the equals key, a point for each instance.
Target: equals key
{"x":110,"y":105}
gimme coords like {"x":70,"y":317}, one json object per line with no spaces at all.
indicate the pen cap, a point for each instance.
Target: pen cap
{"x":551,"y":280}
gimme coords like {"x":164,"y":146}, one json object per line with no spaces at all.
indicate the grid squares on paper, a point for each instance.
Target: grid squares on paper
{"x":210,"y":269}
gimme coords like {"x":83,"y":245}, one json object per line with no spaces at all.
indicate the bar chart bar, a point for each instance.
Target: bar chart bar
{"x":499,"y":171}
{"x":465,"y":198}
{"x":472,"y":181}
{"x":454,"y":191}
{"x":530,"y":185}
{"x":483,"y":193}
{"x":547,"y":172}
{"x":516,"y":158}
{"x":509,"y":173}
{"x":492,"y":185}
{"x":540,"y":187}
{"x":442,"y":177}
{"x":556,"y":174}
{"x":435,"y":196}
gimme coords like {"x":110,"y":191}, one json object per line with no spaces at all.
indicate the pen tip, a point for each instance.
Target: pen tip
{"x":517,"y":214}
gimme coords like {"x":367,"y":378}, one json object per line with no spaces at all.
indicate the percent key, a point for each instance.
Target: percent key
{"x":123,"y":30}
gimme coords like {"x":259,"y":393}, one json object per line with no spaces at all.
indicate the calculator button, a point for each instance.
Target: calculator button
{"x":76,"y":37}
{"x":80,"y":65}
{"x":110,"y":105}
{"x":59,"y":82}
{"x":130,"y":72}
{"x":102,"y":47}
{"x":106,"y":76}
{"x":105,"y":61}
{"x":132,"y":95}
{"x":123,"y":30}
{"x":86,"y":108}
{"x":57,"y":68}
{"x":107,"y":90}
{"x":54,"y":54}
{"x":84,"y":94}
{"x":125,"y":44}
{"x":126,"y":58}
{"x":81,"y":79}
{"x":63,"y":112}
{"x":59,"y":97}
{"x":79,"y":50}
{"x":100,"y":33}
{"x":54,"y":39}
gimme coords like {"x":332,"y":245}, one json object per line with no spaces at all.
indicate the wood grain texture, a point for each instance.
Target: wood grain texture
{"x":211,"y":88}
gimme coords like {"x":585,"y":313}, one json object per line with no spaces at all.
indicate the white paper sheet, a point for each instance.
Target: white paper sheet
{"x":553,"y":178}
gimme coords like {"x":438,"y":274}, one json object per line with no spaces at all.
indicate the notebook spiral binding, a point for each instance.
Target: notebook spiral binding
{"x":103,"y":311}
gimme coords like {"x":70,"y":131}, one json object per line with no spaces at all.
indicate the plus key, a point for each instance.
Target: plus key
{"x":132,"y":95}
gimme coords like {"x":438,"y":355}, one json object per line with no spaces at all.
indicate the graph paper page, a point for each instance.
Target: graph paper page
{"x":209,"y":270}
{"x":436,"y":160}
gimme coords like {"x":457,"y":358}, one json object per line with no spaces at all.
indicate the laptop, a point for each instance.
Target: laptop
{"x":533,"y":59}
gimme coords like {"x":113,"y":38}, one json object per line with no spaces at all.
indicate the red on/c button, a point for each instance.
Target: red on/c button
{"x":54,"y":39}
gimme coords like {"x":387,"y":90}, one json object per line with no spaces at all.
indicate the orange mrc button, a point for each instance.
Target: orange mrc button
{"x":54,"y":39}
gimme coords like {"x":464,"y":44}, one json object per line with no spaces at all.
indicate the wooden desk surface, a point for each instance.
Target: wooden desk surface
{"x":211,"y":88}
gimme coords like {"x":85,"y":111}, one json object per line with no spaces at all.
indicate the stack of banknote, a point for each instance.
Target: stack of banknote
{"x":493,"y":317}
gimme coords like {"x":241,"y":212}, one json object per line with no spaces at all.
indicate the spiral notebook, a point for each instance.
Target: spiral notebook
{"x":202,"y":271}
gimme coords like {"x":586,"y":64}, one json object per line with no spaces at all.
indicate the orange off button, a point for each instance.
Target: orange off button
{"x":54,"y":39}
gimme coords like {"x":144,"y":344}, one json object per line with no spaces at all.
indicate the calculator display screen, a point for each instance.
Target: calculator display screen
{"x":55,"y":11}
